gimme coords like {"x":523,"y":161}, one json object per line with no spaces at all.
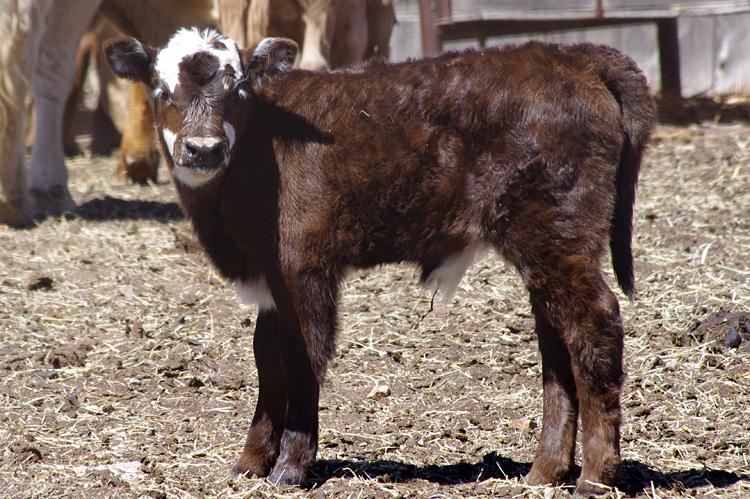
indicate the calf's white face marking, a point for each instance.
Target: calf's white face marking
{"x":231,"y":135}
{"x":191,"y":177}
{"x":184,"y":44}
{"x":187,"y":42}
{"x":169,"y":138}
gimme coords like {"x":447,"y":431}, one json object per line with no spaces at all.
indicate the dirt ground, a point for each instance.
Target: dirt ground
{"x":126,"y":365}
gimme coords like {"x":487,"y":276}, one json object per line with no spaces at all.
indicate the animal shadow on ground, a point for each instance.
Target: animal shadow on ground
{"x":636,"y":477}
{"x":703,"y":109}
{"x":110,"y":208}
{"x":491,"y":466}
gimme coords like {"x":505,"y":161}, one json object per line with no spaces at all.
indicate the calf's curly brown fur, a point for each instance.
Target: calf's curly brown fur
{"x":290,"y":177}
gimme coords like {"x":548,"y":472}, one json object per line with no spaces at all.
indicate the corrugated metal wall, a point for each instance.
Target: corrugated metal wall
{"x":714,"y":49}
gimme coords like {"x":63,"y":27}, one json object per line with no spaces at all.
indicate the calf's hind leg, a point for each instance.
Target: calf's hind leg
{"x":578,"y":304}
{"x":555,"y":455}
{"x":264,"y":437}
{"x":596,"y":350}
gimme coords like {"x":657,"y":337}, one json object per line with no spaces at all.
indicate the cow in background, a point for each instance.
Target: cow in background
{"x":39,"y":40}
{"x":331,"y":33}
{"x":109,"y":116}
{"x":149,"y":19}
{"x":21,"y":25}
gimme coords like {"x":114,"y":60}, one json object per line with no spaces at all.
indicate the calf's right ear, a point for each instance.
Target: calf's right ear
{"x":130,"y":58}
{"x":270,"y":57}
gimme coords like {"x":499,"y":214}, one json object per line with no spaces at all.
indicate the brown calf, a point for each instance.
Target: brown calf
{"x":290,"y":177}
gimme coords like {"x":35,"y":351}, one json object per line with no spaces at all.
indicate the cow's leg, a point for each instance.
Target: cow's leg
{"x":233,"y":20}
{"x":381,"y":17}
{"x":555,"y":455}
{"x":299,"y":441}
{"x":596,"y":350}
{"x":350,"y":37}
{"x":262,"y":446}
{"x":138,"y":157}
{"x":21,"y":30}
{"x":14,"y":204}
{"x":320,"y":22}
{"x":556,"y":241}
{"x":83,"y":58}
{"x":307,"y":350}
{"x":578,"y":303}
{"x":257,"y":21}
{"x":67,"y":21}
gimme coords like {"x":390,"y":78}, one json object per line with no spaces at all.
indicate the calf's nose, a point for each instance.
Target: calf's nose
{"x":205,"y":151}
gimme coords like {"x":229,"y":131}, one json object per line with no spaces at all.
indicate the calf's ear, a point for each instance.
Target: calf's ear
{"x":270,"y":57}
{"x":130,"y":58}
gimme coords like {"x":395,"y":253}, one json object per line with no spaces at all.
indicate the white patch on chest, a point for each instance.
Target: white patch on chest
{"x":187,"y":42}
{"x":255,"y":292}
{"x":447,"y":276}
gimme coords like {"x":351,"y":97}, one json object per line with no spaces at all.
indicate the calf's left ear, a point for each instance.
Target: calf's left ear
{"x":130,"y":58}
{"x":270,"y":57}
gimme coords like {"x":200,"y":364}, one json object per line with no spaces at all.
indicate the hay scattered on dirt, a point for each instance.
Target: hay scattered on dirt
{"x":127,"y":368}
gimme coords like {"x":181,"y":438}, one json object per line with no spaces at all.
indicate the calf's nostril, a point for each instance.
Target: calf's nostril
{"x":218,"y":152}
{"x":205,"y":151}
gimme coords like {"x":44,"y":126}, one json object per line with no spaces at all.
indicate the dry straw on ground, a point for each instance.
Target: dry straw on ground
{"x":127,"y":370}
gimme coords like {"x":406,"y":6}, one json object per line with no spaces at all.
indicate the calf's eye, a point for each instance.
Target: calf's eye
{"x":161,"y":95}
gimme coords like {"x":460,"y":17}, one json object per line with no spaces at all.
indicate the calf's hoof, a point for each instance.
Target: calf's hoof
{"x":592,"y":490}
{"x":288,"y":474}
{"x":549,"y":474}
{"x":252,"y":464}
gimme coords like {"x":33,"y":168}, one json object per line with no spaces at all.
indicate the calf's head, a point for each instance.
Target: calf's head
{"x":202,"y":85}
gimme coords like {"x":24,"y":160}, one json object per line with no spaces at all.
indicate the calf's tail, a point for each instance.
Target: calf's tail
{"x":628,"y":86}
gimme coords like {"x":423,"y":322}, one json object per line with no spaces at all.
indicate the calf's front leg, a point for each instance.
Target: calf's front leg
{"x":299,"y":440}
{"x":307,"y":347}
{"x":264,"y":437}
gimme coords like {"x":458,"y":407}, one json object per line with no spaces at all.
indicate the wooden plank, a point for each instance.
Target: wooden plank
{"x":523,"y":5}
{"x":525,"y":10}
{"x":532,"y":15}
{"x":669,"y":57}
{"x":732,"y":70}
{"x":716,"y":6}
{"x":697,"y":49}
